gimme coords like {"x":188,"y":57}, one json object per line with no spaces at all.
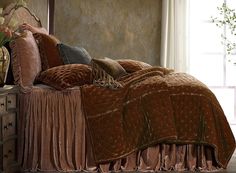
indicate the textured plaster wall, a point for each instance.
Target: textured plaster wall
{"x":111,"y":28}
{"x":38,"y":7}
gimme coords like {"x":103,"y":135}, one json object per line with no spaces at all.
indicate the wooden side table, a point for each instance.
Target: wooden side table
{"x":8,"y":128}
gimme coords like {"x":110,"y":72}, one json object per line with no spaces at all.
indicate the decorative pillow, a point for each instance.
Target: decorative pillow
{"x":66,"y":76}
{"x":26,"y":63}
{"x":105,"y":71}
{"x":49,"y":53}
{"x":131,"y":66}
{"x":111,"y":67}
{"x":73,"y":55}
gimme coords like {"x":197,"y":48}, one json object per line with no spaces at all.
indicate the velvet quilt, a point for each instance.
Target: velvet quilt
{"x":154,"y":106}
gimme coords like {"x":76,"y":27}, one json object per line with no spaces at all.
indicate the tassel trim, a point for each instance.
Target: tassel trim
{"x":102,"y":78}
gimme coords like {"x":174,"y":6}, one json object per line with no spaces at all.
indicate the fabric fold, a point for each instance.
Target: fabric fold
{"x":53,"y":137}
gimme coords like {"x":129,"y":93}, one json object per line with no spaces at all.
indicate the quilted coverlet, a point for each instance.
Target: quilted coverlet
{"x":155,"y":106}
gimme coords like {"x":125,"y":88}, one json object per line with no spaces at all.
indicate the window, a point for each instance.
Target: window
{"x":209,"y":61}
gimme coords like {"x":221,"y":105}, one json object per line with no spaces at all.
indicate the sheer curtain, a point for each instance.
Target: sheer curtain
{"x":174,"y":41}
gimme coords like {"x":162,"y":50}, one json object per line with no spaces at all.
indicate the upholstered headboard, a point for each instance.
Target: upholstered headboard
{"x":20,"y":14}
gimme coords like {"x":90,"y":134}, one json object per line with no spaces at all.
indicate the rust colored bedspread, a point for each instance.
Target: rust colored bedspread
{"x":154,"y":107}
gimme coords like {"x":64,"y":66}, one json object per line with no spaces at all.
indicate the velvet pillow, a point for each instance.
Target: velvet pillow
{"x":105,"y":71}
{"x":26,"y":63}
{"x":49,"y":53}
{"x":131,"y":66}
{"x":66,"y":76}
{"x":111,"y":67}
{"x":73,"y":55}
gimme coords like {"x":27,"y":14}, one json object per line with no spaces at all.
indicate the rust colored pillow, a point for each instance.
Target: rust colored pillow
{"x":49,"y":53}
{"x":66,"y":76}
{"x":26,"y":63}
{"x":131,"y":66}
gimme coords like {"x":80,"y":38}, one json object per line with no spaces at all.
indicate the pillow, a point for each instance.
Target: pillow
{"x":131,"y":66}
{"x":73,"y":55}
{"x":105,"y":71}
{"x":49,"y":53}
{"x":26,"y":63}
{"x":110,"y":66}
{"x":66,"y":76}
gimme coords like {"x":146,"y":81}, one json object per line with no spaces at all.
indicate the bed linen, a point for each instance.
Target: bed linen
{"x":53,"y":137}
{"x":170,"y":108}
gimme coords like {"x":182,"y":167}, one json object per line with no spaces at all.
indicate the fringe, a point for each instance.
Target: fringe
{"x":16,"y":68}
{"x":102,"y":78}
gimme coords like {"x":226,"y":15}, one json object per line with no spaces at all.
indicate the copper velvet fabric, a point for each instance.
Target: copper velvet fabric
{"x":162,"y":108}
{"x":49,"y":53}
{"x":66,"y":76}
{"x":54,"y":137}
{"x":26,"y":63}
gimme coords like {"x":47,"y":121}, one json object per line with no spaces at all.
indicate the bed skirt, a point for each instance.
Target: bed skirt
{"x":53,"y":138}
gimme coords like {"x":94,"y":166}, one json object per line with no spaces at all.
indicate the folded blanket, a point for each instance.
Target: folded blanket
{"x":154,"y":107}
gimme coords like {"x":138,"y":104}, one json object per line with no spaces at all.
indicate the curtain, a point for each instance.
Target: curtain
{"x":174,"y":36}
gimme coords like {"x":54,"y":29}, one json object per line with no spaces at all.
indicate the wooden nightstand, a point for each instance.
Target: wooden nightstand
{"x":8,"y":128}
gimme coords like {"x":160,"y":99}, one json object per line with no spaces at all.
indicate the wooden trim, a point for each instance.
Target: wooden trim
{"x":51,"y":10}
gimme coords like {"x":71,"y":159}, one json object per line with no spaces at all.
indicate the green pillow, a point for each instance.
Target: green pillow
{"x":73,"y":55}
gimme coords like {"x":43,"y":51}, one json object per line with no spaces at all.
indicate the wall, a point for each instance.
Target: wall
{"x":111,"y":28}
{"x":38,"y":7}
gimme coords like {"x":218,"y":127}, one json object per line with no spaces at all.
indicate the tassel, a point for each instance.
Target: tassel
{"x":102,"y":78}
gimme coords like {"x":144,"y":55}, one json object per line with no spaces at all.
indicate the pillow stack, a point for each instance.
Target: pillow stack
{"x":43,"y":58}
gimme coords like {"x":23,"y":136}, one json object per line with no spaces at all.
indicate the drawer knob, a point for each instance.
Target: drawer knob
{"x":2,"y":104}
{"x":9,"y":151}
{"x":5,"y":156}
{"x":5,"y":127}
{"x":10,"y":124}
{"x":9,"y":101}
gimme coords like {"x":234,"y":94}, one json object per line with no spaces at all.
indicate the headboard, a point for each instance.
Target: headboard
{"x":21,"y":14}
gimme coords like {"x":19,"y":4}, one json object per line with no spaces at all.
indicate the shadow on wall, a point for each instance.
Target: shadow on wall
{"x":116,"y":29}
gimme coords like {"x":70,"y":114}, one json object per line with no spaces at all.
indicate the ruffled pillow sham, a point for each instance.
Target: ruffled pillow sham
{"x":26,"y":63}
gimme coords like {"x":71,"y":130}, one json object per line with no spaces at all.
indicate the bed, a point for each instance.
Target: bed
{"x":158,"y":120}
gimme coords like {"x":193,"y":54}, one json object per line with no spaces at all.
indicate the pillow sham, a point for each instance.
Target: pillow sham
{"x":73,"y":55}
{"x":111,"y":67}
{"x":131,"y":66}
{"x":26,"y":62}
{"x":49,"y":53}
{"x":106,"y":71}
{"x":66,"y":76}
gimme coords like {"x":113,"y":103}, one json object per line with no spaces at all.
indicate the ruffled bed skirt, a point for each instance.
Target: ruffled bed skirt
{"x":53,"y":138}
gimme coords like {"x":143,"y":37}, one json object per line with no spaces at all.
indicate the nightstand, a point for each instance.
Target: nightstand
{"x":8,"y":128}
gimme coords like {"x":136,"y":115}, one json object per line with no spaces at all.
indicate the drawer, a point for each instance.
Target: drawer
{"x":11,"y":101}
{"x":3,"y":104}
{"x":7,"y":154}
{"x":8,"y":125}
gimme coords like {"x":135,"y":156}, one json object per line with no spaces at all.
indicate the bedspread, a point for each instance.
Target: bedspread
{"x":154,"y":107}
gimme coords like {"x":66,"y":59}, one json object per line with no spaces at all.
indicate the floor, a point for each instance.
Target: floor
{"x":232,"y":165}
